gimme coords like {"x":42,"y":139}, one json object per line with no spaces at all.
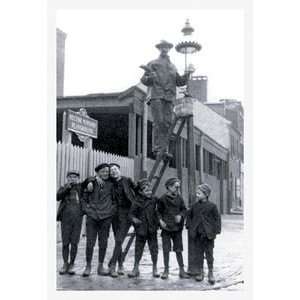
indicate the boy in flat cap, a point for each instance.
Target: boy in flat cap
{"x":144,"y":217}
{"x":70,"y":215}
{"x":171,"y":212}
{"x":124,"y":196}
{"x":204,"y":223}
{"x":162,"y":77}
{"x":99,"y":208}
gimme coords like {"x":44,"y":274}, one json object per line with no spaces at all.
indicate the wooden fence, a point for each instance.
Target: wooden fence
{"x":70,"y":157}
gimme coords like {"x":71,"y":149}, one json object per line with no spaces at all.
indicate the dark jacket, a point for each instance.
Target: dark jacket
{"x":203,"y":217}
{"x":99,"y":203}
{"x":124,"y":192}
{"x":168,"y":207}
{"x":70,"y":201}
{"x":166,"y":80}
{"x":144,"y":209}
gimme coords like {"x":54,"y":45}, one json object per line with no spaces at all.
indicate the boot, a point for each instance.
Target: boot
{"x":211,"y":278}
{"x":101,"y":270}
{"x":87,"y":270}
{"x":71,"y":270}
{"x":113,"y":272}
{"x":64,"y":269}
{"x":121,"y":270}
{"x":154,"y":271}
{"x":200,"y":276}
{"x":183,"y":274}
{"x":165,"y":274}
{"x":135,"y":272}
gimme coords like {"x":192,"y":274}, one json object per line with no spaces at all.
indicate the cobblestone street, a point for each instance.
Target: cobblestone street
{"x":228,"y":253}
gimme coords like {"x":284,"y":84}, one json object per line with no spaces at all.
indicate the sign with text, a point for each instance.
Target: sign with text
{"x":82,"y":124}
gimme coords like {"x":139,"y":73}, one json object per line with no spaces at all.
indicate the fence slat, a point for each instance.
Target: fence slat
{"x":73,"y":157}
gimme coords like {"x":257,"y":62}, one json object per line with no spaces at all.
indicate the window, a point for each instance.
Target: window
{"x":198,"y":158}
{"x":210,"y":163}
{"x":172,"y":150}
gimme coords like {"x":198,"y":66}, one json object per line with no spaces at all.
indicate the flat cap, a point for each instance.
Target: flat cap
{"x":101,"y":166}
{"x":171,"y":181}
{"x":115,"y":164}
{"x":73,"y":172}
{"x":205,"y":188}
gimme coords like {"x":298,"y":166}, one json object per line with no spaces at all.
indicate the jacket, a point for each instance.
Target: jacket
{"x":124,"y":192}
{"x":99,"y":203}
{"x":166,"y":80}
{"x":144,"y":209}
{"x":68,"y":198}
{"x":168,"y":207}
{"x":203,"y":217}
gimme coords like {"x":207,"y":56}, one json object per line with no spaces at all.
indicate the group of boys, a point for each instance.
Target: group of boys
{"x":112,"y":200}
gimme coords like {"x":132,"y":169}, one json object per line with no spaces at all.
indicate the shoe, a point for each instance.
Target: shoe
{"x":121,"y":270}
{"x":154,"y":272}
{"x":211,"y":278}
{"x":64,"y":269}
{"x":113,"y":272}
{"x":134,"y":273}
{"x":101,"y":270}
{"x":200,"y":276}
{"x":87,"y":271}
{"x":71,"y":270}
{"x":165,"y":274}
{"x":183,"y":274}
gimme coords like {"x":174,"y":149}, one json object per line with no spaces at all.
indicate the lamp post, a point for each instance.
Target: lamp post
{"x":188,"y":47}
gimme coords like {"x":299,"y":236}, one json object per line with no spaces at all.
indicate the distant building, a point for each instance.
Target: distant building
{"x":60,"y":61}
{"x":233,"y":111}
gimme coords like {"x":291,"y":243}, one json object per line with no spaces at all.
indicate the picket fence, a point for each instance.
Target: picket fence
{"x":70,"y":157}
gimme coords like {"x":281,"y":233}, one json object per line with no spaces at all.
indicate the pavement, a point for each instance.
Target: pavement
{"x":228,"y":266}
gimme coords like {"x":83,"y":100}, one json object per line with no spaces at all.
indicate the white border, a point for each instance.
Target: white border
{"x":88,"y":4}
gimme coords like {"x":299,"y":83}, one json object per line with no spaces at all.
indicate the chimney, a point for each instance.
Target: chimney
{"x":198,"y":88}
{"x":60,"y":62}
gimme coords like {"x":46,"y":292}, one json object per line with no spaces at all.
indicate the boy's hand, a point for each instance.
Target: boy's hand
{"x":90,"y":187}
{"x":162,"y":224}
{"x":136,"y":221}
{"x":178,"y":218}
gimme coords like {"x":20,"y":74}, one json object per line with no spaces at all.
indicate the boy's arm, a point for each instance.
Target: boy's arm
{"x":63,"y":192}
{"x":189,"y":217}
{"x":217,"y":218}
{"x":183,"y":210}
{"x":133,"y":214}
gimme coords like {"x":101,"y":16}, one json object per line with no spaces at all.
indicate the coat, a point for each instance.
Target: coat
{"x":65,"y":196}
{"x":99,"y":204}
{"x":168,"y":207}
{"x":128,"y":193}
{"x":144,"y":209}
{"x":166,"y":80}
{"x":203,"y":217}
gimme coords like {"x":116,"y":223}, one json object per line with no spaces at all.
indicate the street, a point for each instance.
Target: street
{"x":228,"y":254}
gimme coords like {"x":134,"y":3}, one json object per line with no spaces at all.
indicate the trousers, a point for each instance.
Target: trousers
{"x":140,"y":242}
{"x":96,"y":228}
{"x":203,"y":245}
{"x":162,"y":112}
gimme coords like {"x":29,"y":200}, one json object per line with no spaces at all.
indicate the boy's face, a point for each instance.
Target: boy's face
{"x":200,"y":195}
{"x":72,"y":178}
{"x":147,"y":191}
{"x":115,"y":172}
{"x":164,"y":51}
{"x":174,"y":188}
{"x":103,"y":173}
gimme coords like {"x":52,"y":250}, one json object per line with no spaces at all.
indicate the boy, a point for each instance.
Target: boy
{"x":204,"y":223}
{"x":171,"y":213}
{"x":70,"y":215}
{"x":144,"y":217}
{"x":124,"y":196}
{"x":99,"y":208}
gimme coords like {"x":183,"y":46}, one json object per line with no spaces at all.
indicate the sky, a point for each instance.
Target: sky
{"x":104,"y":48}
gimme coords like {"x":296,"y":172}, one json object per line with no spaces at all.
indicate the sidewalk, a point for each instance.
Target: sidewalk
{"x":228,"y":252}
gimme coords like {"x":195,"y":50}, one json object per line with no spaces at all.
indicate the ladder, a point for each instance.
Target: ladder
{"x":161,"y":157}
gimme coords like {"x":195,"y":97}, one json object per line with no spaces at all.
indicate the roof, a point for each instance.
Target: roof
{"x":212,"y":124}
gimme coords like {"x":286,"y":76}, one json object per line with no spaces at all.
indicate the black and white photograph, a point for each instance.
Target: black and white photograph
{"x":150,"y":108}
